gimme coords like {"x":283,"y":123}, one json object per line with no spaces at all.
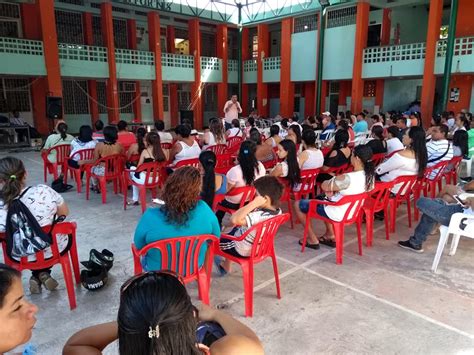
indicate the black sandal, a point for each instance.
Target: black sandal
{"x":327,"y":241}
{"x":310,"y":246}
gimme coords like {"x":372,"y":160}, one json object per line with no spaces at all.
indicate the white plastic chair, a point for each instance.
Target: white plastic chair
{"x":454,"y":228}
{"x":469,"y":163}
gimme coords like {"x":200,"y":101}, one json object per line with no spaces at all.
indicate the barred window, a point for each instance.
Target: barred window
{"x":184,"y":98}
{"x":102,"y":96}
{"x":210,"y":98}
{"x":15,"y":95}
{"x":370,"y":88}
{"x":166,"y":97}
{"x":306,"y":23}
{"x":126,"y":96}
{"x":208,"y":45}
{"x":74,"y":2}
{"x":9,"y":28}
{"x":9,"y":10}
{"x":97,"y":31}
{"x":75,"y":97}
{"x":69,"y":27}
{"x":341,"y":17}
{"x":120,"y":33}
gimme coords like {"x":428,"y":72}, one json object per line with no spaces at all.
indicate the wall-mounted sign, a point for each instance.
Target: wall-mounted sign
{"x":454,"y":95}
{"x":154,"y":4}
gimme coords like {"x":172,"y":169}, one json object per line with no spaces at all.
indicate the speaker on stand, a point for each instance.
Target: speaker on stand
{"x":54,"y":110}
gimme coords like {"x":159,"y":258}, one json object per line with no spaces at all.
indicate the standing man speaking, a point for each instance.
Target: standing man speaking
{"x":231,"y":110}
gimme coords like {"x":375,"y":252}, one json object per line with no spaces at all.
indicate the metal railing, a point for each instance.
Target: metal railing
{"x":341,"y":17}
{"x":130,"y":56}
{"x":20,"y":46}
{"x":210,"y":63}
{"x":82,"y":52}
{"x":232,"y":65}
{"x":462,"y":46}
{"x":177,"y":60}
{"x":271,"y":63}
{"x":401,"y":52}
{"x":250,"y":65}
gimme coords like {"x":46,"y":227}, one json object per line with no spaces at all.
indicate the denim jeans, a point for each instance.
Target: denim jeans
{"x":434,"y":211}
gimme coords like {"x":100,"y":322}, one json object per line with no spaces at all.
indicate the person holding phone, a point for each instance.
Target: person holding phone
{"x":436,"y":211}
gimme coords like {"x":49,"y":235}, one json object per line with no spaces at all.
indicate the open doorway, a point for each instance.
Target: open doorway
{"x":373,"y":37}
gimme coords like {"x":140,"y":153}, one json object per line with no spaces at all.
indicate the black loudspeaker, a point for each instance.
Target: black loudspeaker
{"x":187,"y":117}
{"x":54,"y":107}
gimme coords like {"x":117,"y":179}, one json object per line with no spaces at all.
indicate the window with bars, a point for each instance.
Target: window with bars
{"x":341,"y":17}
{"x":102,"y":96}
{"x":69,"y":27}
{"x":208,"y":45}
{"x":97,"y":31}
{"x":126,"y":96}
{"x":166,"y":97}
{"x":9,"y":29}
{"x":9,"y":10}
{"x":120,"y":33}
{"x":255,"y":47}
{"x":210,"y":98}
{"x":75,"y":99}
{"x":14,"y":95}
{"x":370,"y":88}
{"x":73,"y":2}
{"x":184,"y":98}
{"x":306,"y":23}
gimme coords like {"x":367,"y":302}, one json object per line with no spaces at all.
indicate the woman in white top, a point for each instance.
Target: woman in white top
{"x":410,"y":161}
{"x":186,"y":147}
{"x":83,"y":141}
{"x":356,"y":182}
{"x":165,"y":137}
{"x":311,"y":157}
{"x":245,"y":173}
{"x":288,"y":168}
{"x":393,"y":143}
{"x":215,"y":135}
{"x":274,"y":138}
{"x":235,"y":130}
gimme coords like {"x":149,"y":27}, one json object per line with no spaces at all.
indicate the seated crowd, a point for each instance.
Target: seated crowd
{"x":195,"y":201}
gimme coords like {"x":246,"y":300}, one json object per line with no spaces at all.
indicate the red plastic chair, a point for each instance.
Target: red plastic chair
{"x":186,"y":162}
{"x":153,"y":179}
{"x":376,"y":202}
{"x":62,"y":155}
{"x":84,"y":154}
{"x":378,"y":158}
{"x":233,"y":144}
{"x":408,"y":185}
{"x":247,"y":192}
{"x":392,"y":153}
{"x":303,"y":190}
{"x":134,"y":158}
{"x":181,"y":255}
{"x":224,"y":163}
{"x":66,"y":259}
{"x":218,"y":149}
{"x":167,"y":146}
{"x":114,"y":165}
{"x":354,"y":205}
{"x":451,"y":172}
{"x":262,"y":248}
{"x":431,"y":177}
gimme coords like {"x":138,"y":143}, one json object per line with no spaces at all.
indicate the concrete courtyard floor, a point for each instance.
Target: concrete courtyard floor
{"x":384,"y":302}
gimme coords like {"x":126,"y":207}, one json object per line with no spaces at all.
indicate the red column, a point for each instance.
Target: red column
{"x":287,"y":88}
{"x":429,"y":78}
{"x":324,"y":93}
{"x":244,"y":100}
{"x":173,"y":88}
{"x":379,"y":89}
{"x":309,"y":98}
{"x":132,"y":44}
{"x":112,"y":84}
{"x":362,"y":28}
{"x":464,"y":23}
{"x":91,"y":84}
{"x":384,"y":41}
{"x":195,"y":50}
{"x":155,"y":47}
{"x":262,"y":88}
{"x":221,"y":45}
{"x":344,"y":92}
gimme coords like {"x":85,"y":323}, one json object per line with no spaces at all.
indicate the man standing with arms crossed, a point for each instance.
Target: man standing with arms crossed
{"x":231,"y":110}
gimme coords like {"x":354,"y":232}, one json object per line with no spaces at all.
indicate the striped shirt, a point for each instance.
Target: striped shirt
{"x":438,"y":151}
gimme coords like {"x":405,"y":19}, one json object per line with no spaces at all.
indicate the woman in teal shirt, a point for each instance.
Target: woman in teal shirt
{"x":182,"y":215}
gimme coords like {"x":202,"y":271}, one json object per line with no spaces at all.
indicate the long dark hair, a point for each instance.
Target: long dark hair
{"x":208,"y":161}
{"x":341,"y":138}
{"x":216,"y":128}
{"x":62,"y":130}
{"x":85,"y":133}
{"x":460,"y":139}
{"x":295,"y":128}
{"x":156,"y":300}
{"x":309,"y":138}
{"x":12,"y":173}
{"x":377,"y":131}
{"x":365,"y":154}
{"x":140,"y":135}
{"x":294,"y":174}
{"x":418,"y":144}
{"x":255,"y":136}
{"x":274,"y":130}
{"x":110,"y":135}
{"x":7,"y":275}
{"x":247,"y":161}
{"x":153,"y":140}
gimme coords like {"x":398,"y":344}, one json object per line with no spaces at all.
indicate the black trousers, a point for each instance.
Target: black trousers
{"x":220,"y":214}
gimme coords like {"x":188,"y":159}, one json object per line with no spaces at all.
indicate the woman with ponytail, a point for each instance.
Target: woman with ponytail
{"x":212,"y":183}
{"x":60,"y":137}
{"x":353,"y":183}
{"x":138,"y":147}
{"x":44,"y":204}
{"x":289,"y":167}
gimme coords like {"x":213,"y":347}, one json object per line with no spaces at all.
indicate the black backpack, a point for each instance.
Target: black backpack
{"x":24,"y":234}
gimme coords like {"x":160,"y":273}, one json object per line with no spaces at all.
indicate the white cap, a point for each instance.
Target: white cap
{"x":326,"y":113}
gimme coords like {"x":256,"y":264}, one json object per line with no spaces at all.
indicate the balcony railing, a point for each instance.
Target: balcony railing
{"x":232,"y":65}
{"x":82,"y":52}
{"x":177,"y":60}
{"x":462,"y":46}
{"x":272,"y":63}
{"x":210,"y":63}
{"x":129,"y":56}
{"x":20,"y":46}
{"x":401,"y":52}
{"x":250,"y":65}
